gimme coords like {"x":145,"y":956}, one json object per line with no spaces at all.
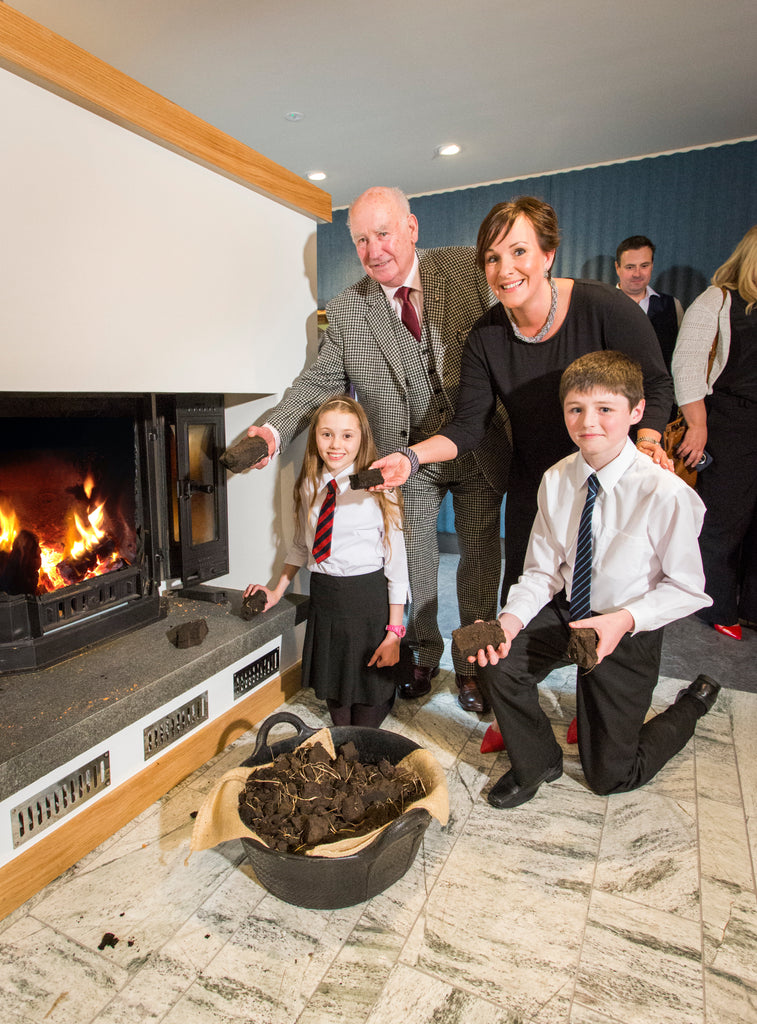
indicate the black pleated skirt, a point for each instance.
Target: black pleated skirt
{"x":346,"y":623}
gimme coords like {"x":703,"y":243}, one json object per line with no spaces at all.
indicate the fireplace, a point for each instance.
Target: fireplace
{"x":104,"y":499}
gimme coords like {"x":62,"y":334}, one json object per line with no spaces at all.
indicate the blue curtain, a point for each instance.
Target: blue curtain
{"x":694,"y":206}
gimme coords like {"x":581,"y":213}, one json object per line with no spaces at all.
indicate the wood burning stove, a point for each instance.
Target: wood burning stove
{"x":103,"y":498}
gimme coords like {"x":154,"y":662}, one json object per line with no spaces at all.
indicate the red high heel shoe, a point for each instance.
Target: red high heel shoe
{"x":732,"y":631}
{"x":492,"y":740}
{"x":572,"y":736}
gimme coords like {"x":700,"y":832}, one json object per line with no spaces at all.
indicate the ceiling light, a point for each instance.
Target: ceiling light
{"x":450,"y":149}
{"x":316,"y":175}
{"x":294,"y":115}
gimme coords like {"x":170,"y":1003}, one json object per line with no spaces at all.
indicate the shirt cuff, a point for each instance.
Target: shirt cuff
{"x":276,"y":439}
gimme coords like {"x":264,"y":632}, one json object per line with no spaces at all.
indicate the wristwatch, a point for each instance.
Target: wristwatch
{"x":398,"y":630}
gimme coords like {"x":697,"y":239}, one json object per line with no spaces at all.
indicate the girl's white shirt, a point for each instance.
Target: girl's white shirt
{"x":359,"y":543}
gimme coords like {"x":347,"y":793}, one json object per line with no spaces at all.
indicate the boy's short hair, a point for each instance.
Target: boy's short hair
{"x":606,"y":369}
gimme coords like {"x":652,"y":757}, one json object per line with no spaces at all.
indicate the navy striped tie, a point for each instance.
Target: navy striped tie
{"x":324,"y":526}
{"x":580,"y":588}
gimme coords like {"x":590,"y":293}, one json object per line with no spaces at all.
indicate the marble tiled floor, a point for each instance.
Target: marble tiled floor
{"x":635,"y":909}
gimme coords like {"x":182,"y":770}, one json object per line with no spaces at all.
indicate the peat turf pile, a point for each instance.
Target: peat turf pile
{"x":306,"y":797}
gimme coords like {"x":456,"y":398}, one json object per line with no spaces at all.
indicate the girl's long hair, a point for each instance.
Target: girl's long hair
{"x":312,"y":464}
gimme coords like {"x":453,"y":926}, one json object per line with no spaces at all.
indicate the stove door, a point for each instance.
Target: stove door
{"x":195,"y":435}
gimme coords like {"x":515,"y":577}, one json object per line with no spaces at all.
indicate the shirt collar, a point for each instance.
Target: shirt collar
{"x":413,"y":280}
{"x":608,"y":475}
{"x":342,"y":479}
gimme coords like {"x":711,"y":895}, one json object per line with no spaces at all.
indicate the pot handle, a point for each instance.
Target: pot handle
{"x":303,"y":730}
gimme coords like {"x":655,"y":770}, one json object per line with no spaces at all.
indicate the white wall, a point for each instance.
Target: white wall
{"x":126,"y":267}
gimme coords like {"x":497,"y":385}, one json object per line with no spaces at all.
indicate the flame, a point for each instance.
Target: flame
{"x":8,"y":525}
{"x":85,"y":534}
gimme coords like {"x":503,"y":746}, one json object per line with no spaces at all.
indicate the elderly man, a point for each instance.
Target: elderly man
{"x":634,"y":262}
{"x":397,"y":336}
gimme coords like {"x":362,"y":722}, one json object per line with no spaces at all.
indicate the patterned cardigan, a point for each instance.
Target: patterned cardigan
{"x":360,"y":347}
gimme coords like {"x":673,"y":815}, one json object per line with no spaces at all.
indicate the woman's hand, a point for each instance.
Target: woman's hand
{"x":271,"y":597}
{"x":387,"y":653}
{"x":691,"y":449}
{"x":651,"y":446}
{"x":395,"y":469}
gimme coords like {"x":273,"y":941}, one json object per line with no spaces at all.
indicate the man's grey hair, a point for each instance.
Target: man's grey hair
{"x":396,"y":193}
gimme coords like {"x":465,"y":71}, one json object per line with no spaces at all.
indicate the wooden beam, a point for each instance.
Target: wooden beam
{"x":34,"y":52}
{"x":60,"y":849}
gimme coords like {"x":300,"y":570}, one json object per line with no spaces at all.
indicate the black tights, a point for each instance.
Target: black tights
{"x":369,"y":715}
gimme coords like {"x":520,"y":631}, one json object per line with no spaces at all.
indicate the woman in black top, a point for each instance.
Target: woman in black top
{"x":517,"y":352}
{"x":720,"y":408}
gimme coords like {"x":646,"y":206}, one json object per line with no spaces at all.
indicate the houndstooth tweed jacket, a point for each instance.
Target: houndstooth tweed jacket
{"x":361,"y":347}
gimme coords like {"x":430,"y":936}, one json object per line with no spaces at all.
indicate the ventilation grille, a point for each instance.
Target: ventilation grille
{"x":252,"y":675}
{"x":43,"y":810}
{"x":173,"y":726}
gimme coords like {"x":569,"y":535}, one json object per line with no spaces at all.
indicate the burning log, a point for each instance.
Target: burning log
{"x":19,"y":567}
{"x":74,"y":570}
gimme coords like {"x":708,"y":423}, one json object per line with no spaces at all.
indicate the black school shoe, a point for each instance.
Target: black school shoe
{"x":703,"y":689}
{"x":507,"y":792}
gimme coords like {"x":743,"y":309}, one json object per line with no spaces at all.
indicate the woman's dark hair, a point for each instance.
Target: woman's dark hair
{"x":501,"y":218}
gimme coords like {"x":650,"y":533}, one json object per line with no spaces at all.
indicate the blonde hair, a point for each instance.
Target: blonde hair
{"x":739,"y":272}
{"x":312,"y":464}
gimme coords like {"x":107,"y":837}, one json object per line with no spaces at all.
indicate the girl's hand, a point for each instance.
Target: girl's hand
{"x":387,"y":653}
{"x":271,"y":597}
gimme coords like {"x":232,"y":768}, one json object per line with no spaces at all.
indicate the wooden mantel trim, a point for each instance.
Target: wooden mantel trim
{"x":34,"y":52}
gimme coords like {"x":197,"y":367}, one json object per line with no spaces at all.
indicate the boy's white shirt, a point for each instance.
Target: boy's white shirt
{"x":645,"y":531}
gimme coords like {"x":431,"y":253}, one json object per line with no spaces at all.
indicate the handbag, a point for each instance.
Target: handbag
{"x":675,"y":430}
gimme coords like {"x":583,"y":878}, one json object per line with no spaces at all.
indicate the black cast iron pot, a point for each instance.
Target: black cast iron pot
{"x":327,"y":883}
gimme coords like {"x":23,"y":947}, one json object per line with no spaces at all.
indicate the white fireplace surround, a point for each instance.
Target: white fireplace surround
{"x":127,"y":267}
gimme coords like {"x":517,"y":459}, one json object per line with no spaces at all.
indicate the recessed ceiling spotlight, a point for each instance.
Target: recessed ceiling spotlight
{"x":451,"y":149}
{"x":294,"y":115}
{"x":316,"y":175}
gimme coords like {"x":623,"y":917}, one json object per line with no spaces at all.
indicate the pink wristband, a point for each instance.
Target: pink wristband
{"x":398,"y":630}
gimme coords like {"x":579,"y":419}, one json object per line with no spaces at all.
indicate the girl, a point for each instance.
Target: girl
{"x":352,"y":542}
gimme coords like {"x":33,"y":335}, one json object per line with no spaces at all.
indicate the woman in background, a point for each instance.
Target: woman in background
{"x":721,"y":416}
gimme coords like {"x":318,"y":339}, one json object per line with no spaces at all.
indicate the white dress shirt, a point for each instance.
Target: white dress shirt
{"x":358,"y":542}
{"x":645,"y":527}
{"x":412,"y":281}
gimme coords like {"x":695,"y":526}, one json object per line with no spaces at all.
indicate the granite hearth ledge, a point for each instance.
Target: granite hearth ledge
{"x":50,"y":715}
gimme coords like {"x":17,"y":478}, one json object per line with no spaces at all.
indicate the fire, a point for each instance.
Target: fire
{"x":8,"y":525}
{"x":88,"y":552}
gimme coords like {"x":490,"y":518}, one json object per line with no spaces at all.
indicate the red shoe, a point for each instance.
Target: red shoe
{"x":572,"y":736}
{"x":492,"y":741}
{"x":732,"y":631}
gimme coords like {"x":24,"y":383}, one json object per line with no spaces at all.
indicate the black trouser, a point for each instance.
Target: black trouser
{"x":729,"y":490}
{"x":619,"y":752}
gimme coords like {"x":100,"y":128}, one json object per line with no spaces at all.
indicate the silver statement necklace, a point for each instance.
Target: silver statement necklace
{"x":547,"y":323}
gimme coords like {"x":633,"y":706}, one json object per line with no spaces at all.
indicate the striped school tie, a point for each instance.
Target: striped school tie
{"x":325,"y":524}
{"x":580,"y":588}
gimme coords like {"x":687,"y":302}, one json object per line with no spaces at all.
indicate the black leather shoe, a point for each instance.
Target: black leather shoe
{"x":419,"y":682}
{"x":704,"y":689}
{"x":469,"y":697}
{"x":507,"y":792}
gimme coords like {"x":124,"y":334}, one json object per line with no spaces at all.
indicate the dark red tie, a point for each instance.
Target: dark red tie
{"x":325,"y":524}
{"x":409,"y":316}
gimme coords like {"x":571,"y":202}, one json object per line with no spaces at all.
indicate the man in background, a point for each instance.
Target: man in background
{"x":634,"y":262}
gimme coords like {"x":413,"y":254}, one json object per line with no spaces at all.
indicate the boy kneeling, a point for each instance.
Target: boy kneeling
{"x":614,"y":548}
